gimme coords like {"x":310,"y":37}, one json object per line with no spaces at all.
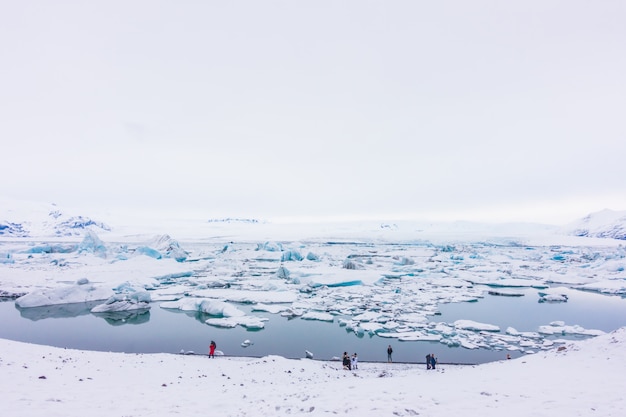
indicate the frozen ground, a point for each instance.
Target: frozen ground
{"x":584,"y":378}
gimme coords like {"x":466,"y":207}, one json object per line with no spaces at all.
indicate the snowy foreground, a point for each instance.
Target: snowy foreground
{"x":585,"y":378}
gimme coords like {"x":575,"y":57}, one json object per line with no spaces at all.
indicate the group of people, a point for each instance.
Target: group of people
{"x":431,"y":361}
{"x":350,"y":362}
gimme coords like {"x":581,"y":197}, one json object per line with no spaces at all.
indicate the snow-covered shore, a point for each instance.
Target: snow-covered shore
{"x":584,"y":379}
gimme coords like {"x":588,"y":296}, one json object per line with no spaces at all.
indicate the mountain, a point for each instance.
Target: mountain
{"x":605,"y":224}
{"x":26,"y":219}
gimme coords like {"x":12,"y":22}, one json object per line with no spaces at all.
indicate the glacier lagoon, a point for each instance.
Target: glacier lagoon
{"x":377,"y":287}
{"x":173,"y":331}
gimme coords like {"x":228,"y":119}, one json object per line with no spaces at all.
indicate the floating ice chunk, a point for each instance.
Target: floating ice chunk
{"x":552,"y":298}
{"x":224,"y":322}
{"x":139,"y":300}
{"x":81,"y":292}
{"x":367,"y":316}
{"x":273,"y":308}
{"x":308,"y":354}
{"x":246,"y":343}
{"x":282,"y":273}
{"x":418,"y":336}
{"x":292,"y":312}
{"x":212,"y":307}
{"x":312,"y":257}
{"x":371,"y":327}
{"x":553,"y":295}
{"x":391,"y":325}
{"x":147,"y":251}
{"x":607,"y":286}
{"x":92,"y":244}
{"x":467,"y":344}
{"x":291,"y":255}
{"x":169,"y":248}
{"x":507,"y":282}
{"x":317,"y":315}
{"x":249,"y":322}
{"x":247,"y":296}
{"x":561,"y":329}
{"x":513,"y":332}
{"x":505,"y":293}
{"x":475,"y":326}
{"x":270,"y":247}
{"x":414,"y":319}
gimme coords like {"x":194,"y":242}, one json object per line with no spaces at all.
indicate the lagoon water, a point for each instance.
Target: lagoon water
{"x":160,"y":330}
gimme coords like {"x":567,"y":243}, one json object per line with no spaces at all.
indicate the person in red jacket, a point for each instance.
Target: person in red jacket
{"x":212,"y":347}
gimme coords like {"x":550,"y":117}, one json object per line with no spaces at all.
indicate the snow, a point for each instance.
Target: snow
{"x":584,"y":378}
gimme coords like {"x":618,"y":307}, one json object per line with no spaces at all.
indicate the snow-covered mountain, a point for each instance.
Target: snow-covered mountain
{"x":26,"y":219}
{"x":604,"y":224}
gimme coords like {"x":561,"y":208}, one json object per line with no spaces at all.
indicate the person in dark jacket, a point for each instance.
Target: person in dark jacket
{"x":389,"y":352}
{"x":433,"y":361}
{"x":428,"y":361}
{"x":346,"y":361}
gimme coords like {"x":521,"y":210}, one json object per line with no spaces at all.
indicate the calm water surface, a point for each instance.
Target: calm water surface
{"x":160,"y":330}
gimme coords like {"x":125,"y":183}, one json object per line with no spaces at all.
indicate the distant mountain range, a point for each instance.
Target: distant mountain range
{"x":33,"y":220}
{"x":26,"y":219}
{"x":605,"y":224}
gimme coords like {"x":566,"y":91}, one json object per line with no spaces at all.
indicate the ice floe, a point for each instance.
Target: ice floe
{"x":81,"y":292}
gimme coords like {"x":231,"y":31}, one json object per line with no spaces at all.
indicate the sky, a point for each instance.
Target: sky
{"x":316,"y":109}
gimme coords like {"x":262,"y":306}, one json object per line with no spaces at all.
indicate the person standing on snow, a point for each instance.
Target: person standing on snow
{"x":347,"y":365}
{"x":389,"y":352}
{"x":428,"y":365}
{"x":212,"y":347}
{"x":355,"y":362}
{"x":433,"y":361}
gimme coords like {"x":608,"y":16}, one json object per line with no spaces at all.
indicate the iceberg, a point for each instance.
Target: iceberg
{"x":475,"y":326}
{"x":559,"y":328}
{"x":291,"y":255}
{"x":81,"y":292}
{"x":552,"y":298}
{"x":92,"y":244}
{"x":139,"y":300}
{"x":203,"y":305}
{"x":249,"y":322}
{"x":169,"y":248}
{"x":317,"y":315}
{"x":148,"y":251}
{"x":247,"y":296}
{"x":607,"y":286}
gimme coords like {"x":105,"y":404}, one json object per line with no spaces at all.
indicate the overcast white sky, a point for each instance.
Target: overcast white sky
{"x":482,"y":110}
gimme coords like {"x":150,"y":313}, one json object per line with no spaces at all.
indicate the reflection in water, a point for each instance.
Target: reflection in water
{"x":59,"y":311}
{"x":119,"y":318}
{"x":198,"y":315}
